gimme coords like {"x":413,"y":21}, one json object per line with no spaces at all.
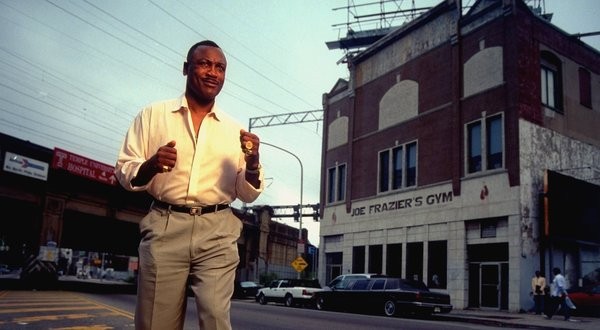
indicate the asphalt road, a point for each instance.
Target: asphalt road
{"x":100,"y":304}
{"x":29,"y":309}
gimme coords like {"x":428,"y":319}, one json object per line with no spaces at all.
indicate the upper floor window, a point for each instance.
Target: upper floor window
{"x":488,"y":229}
{"x":551,"y":81}
{"x":474,"y":147}
{"x":494,"y":142}
{"x":398,"y":167}
{"x":585,"y":88}
{"x":336,"y":183}
{"x":485,"y":151}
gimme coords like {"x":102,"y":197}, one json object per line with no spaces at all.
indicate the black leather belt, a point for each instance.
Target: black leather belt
{"x":192,"y":210}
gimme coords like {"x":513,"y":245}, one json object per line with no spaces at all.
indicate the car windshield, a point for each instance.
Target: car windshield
{"x":336,"y":283}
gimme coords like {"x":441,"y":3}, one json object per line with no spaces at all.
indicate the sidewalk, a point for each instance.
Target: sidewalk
{"x":522,"y":320}
{"x":68,"y":283}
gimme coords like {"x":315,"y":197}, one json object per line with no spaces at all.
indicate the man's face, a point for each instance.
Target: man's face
{"x":205,"y":72}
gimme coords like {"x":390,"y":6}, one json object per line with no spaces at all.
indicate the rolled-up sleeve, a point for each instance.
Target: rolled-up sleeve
{"x":131,"y":155}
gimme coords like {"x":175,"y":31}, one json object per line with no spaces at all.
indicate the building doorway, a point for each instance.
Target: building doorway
{"x":488,"y":276}
{"x":333,"y":266}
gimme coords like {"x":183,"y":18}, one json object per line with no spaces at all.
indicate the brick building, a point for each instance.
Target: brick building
{"x":441,"y":149}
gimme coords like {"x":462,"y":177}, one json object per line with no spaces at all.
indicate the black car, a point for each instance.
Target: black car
{"x":245,"y":289}
{"x":384,"y":295}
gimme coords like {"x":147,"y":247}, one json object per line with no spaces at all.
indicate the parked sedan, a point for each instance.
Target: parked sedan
{"x":384,"y":295}
{"x":586,"y":299}
{"x":245,"y":289}
{"x":346,"y":280}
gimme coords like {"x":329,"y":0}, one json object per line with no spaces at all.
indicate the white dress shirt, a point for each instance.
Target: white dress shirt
{"x":558,"y":287}
{"x":210,"y":169}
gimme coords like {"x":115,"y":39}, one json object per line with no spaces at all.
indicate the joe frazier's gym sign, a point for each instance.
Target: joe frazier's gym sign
{"x":406,"y":203}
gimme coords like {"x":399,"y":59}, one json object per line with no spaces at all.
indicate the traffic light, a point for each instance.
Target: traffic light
{"x":316,"y":214}
{"x":297,"y":212}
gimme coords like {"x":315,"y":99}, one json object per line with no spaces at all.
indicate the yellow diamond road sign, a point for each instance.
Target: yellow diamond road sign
{"x":299,"y":264}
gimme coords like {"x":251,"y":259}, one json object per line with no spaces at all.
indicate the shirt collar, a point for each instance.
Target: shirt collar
{"x":183,"y":104}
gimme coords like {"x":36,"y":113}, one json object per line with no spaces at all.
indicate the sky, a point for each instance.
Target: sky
{"x":73,"y":74}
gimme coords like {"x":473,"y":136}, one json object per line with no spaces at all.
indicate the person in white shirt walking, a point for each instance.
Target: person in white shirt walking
{"x":558,"y":295}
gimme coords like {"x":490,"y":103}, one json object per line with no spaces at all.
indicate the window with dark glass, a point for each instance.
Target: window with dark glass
{"x":494,"y":142}
{"x":333,"y":265}
{"x":488,"y":229}
{"x":341,"y":182}
{"x":398,"y":167}
{"x":393,"y":265}
{"x":414,"y":261}
{"x":375,"y":259}
{"x":411,"y":164}
{"x":485,"y":146}
{"x":550,"y":84}
{"x":474,"y":147}
{"x":336,"y":183}
{"x":378,"y":285}
{"x":331,"y":185}
{"x":384,"y":171}
{"x":358,"y":259}
{"x":585,"y":88}
{"x":437,"y":262}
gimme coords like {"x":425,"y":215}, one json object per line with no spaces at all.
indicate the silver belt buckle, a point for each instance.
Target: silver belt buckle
{"x":195,"y":210}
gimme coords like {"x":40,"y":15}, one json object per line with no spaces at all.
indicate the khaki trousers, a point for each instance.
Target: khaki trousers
{"x":176,"y":245}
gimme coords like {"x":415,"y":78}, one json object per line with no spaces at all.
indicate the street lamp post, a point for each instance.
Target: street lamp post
{"x":301,"y":190}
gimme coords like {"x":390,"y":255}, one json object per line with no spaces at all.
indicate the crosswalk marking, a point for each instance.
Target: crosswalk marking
{"x":58,"y":310}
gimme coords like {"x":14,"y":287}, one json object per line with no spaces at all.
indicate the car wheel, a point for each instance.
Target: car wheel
{"x":320,"y":303}
{"x":262,"y":299}
{"x":389,"y":308}
{"x":289,"y":300}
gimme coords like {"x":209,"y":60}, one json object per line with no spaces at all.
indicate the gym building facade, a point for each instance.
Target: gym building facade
{"x":464,"y":151}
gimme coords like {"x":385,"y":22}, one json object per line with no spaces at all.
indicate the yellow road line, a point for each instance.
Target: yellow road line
{"x":39,"y":302}
{"x":54,"y":317}
{"x":109,"y":307}
{"x":29,"y":310}
{"x":20,"y":303}
{"x":89,"y":327}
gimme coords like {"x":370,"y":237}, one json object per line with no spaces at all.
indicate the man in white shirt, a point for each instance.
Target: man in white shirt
{"x":558,"y":295}
{"x":194,"y":160}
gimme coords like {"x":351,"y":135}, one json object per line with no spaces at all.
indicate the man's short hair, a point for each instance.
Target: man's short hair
{"x":198,"y":44}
